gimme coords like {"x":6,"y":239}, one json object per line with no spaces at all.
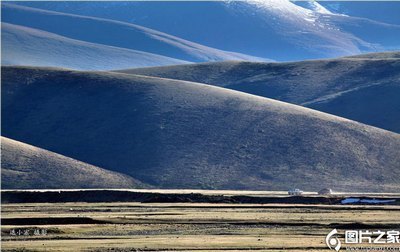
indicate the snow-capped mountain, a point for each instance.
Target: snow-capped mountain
{"x":277,"y":29}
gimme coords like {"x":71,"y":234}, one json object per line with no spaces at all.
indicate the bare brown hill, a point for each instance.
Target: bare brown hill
{"x":177,"y":134}
{"x":365,"y":88}
{"x":24,"y":166}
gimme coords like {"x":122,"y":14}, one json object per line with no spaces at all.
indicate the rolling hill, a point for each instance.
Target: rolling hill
{"x":31,"y":47}
{"x":27,"y":167}
{"x":364,"y":88}
{"x":276,"y":29}
{"x":115,"y":33}
{"x":382,"y":55}
{"x":178,"y":134}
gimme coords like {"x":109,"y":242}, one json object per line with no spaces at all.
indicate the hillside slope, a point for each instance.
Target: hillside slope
{"x":176,"y":134}
{"x":31,"y":47}
{"x":115,"y":33}
{"x":364,"y":89}
{"x":27,"y":167}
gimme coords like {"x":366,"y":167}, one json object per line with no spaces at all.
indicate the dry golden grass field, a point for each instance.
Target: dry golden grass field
{"x":184,"y":226}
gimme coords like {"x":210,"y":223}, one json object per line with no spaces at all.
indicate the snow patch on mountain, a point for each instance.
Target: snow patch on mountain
{"x":314,"y":28}
{"x":316,"y":7}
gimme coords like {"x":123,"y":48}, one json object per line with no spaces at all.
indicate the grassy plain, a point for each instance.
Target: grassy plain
{"x":185,"y":226}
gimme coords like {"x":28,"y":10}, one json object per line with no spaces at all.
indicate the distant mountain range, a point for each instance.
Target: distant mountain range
{"x":274,"y":29}
{"x":119,"y":35}
{"x":178,"y":134}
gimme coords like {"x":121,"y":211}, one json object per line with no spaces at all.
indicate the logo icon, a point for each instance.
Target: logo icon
{"x":351,"y":236}
{"x":332,"y":241}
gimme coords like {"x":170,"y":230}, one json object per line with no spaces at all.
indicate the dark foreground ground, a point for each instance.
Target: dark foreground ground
{"x":153,"y":221}
{"x":194,"y":196}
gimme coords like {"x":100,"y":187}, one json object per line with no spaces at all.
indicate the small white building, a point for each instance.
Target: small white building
{"x":295,"y":192}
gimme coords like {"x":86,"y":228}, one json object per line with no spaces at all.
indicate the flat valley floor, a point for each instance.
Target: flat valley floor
{"x":184,"y":226}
